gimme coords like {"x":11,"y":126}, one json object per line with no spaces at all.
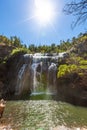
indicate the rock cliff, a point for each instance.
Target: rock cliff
{"x":72,"y":86}
{"x":16,"y":76}
{"x":9,"y":69}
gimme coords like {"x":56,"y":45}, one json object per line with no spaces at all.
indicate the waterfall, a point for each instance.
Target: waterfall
{"x":19,"y":80}
{"x":37,"y":64}
{"x":52,"y":77}
{"x":21,"y":71}
{"x":35,"y":82}
{"x":23,"y":78}
{"x":42,"y":66}
{"x":38,"y":73}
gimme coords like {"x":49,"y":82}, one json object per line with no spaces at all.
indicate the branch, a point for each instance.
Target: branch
{"x":78,"y":9}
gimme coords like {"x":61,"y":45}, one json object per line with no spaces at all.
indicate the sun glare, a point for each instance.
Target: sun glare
{"x":44,"y":11}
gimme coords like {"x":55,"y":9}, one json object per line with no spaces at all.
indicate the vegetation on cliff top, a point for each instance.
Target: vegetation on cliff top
{"x":74,"y":62}
{"x":53,"y":48}
{"x":77,"y":59}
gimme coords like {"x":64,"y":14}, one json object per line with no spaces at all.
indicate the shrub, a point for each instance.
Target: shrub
{"x":83,"y":62}
{"x":66,"y":69}
{"x":18,"y":50}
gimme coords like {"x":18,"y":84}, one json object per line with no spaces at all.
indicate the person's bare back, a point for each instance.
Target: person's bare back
{"x":2,"y":107}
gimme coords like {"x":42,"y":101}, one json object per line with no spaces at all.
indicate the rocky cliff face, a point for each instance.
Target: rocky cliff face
{"x":9,"y":70}
{"x":3,"y":73}
{"x":18,"y":77}
{"x":4,"y":52}
{"x":73,"y":89}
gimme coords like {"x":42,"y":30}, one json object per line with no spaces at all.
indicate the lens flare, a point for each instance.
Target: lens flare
{"x":44,"y":11}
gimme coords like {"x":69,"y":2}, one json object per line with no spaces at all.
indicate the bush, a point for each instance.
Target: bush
{"x":83,"y":62}
{"x":66,"y":69}
{"x":19,"y":50}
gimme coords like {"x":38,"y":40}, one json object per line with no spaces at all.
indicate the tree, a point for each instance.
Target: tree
{"x":4,"y":39}
{"x":77,"y":8}
{"x":32,"y":48}
{"x":15,"y":41}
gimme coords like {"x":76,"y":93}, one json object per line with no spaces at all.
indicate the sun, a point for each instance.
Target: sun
{"x":43,"y":11}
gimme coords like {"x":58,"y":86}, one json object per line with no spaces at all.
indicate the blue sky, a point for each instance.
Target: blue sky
{"x":16,"y":18}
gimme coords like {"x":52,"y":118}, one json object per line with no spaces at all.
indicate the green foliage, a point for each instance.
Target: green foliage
{"x":73,"y":59}
{"x":83,"y":67}
{"x":53,"y":48}
{"x":19,"y":50}
{"x":62,"y":47}
{"x":83,"y":62}
{"x":15,"y":41}
{"x":66,"y":69}
{"x":83,"y":37}
{"x":73,"y":64}
{"x":4,"y":39}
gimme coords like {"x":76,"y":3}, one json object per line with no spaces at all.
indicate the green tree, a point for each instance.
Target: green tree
{"x":16,"y":41}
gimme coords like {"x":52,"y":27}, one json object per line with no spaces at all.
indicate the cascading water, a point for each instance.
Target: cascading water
{"x":35,"y":82}
{"x":37,"y":74}
{"x":52,"y":77}
{"x":19,"y":80}
{"x":23,"y":78}
{"x":42,"y":71}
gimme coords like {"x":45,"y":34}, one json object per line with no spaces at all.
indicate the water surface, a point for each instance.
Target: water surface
{"x":43,"y":115}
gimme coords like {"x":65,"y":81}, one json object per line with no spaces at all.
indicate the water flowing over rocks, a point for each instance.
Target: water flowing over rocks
{"x":52,"y":76}
{"x":43,"y":71}
{"x":26,"y":73}
{"x":19,"y":75}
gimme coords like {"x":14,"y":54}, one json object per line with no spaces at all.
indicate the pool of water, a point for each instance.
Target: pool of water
{"x":42,"y":95}
{"x":43,"y":115}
